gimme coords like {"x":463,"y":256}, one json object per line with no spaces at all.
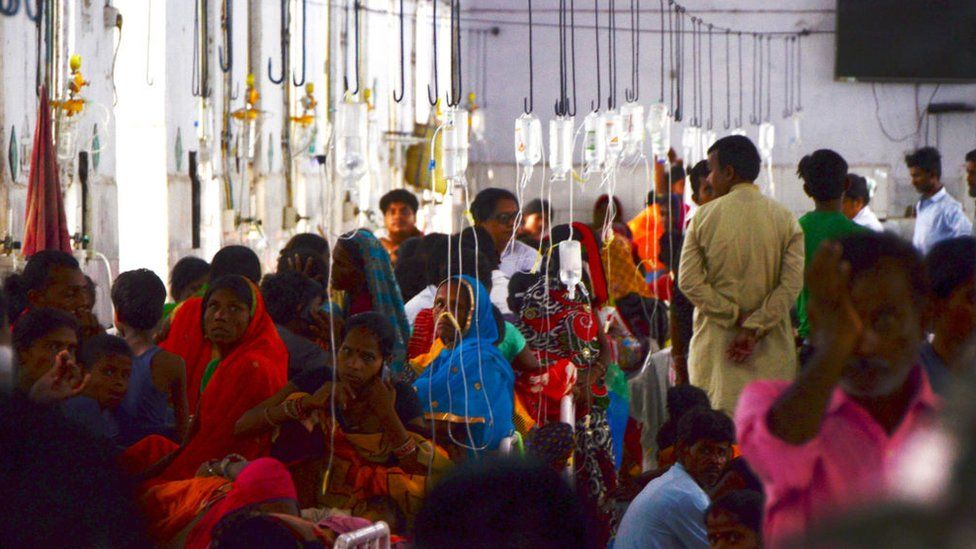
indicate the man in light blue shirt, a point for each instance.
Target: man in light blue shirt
{"x":670,"y":511}
{"x":939,"y":216}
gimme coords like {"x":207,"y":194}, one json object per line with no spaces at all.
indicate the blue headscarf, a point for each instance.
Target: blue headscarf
{"x":384,"y":291}
{"x":472,"y":380}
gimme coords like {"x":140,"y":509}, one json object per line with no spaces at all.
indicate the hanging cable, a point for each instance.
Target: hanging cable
{"x":304,"y":41}
{"x":756,"y":78}
{"x":728,"y":80}
{"x":711,"y":82}
{"x":661,"y":97}
{"x":403,"y":77}
{"x":432,"y":94}
{"x":634,"y":92}
{"x":694,"y":71}
{"x":769,"y":77}
{"x":596,"y":33}
{"x":484,"y":69}
{"x":10,"y":9}
{"x":454,"y":97}
{"x":679,"y":63}
{"x":283,"y":44}
{"x":741,"y":83}
{"x":227,"y":61}
{"x":560,"y":106}
{"x":698,"y":77}
{"x":572,"y":46}
{"x":612,"y":56}
{"x":34,"y":16}
{"x":672,"y":75}
{"x":527,"y":102}
{"x":345,"y":79}
{"x":799,"y":71}
{"x":787,"y":77}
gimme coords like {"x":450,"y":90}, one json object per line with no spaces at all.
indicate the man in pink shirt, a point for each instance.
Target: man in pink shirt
{"x":826,"y":441}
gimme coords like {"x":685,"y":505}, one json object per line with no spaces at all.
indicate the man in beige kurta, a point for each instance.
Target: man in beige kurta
{"x":742,"y":267}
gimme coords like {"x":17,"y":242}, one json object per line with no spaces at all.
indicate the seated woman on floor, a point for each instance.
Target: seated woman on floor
{"x":373,"y":437}
{"x":250,"y":365}
{"x":468,"y":383}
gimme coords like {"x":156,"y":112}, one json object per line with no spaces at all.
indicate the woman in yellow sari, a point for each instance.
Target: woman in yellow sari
{"x":366,"y":426}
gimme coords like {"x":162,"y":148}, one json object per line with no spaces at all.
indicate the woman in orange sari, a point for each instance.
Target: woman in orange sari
{"x":367,"y":426}
{"x":250,"y":366}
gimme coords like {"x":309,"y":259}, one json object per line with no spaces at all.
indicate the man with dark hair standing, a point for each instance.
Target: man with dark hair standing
{"x":495,"y":210}
{"x":742,"y":268}
{"x":939,"y":216}
{"x":824,"y":175}
{"x":399,"y":208}
{"x":857,"y":203}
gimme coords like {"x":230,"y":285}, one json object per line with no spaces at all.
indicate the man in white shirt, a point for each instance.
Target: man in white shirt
{"x":495,"y":210}
{"x":856,"y":207}
{"x":670,"y":510}
{"x":939,"y":215}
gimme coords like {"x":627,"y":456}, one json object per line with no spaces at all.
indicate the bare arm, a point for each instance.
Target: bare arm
{"x":525,"y":361}
{"x":836,"y":328}
{"x":255,"y":420}
{"x":169,"y":376}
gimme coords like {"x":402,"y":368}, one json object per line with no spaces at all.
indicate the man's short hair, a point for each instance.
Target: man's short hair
{"x":857,"y":188}
{"x":824,"y":174}
{"x":187,"y":271}
{"x":287,"y":293}
{"x":927,"y":159}
{"x":746,"y":506}
{"x":402,"y":196}
{"x":236,"y":260}
{"x":971,"y":156}
{"x":100,"y":346}
{"x":697,"y":175}
{"x":705,"y":424}
{"x":863,"y":251}
{"x":138,"y":297}
{"x":485,"y":202}
{"x":537,"y":206}
{"x":739,"y":152}
{"x":950,"y":264}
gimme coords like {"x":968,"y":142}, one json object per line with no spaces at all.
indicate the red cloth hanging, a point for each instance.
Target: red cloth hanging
{"x":46,"y":227}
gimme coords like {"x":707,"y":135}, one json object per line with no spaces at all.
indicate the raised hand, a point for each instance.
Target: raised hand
{"x":834,"y":322}
{"x":64,"y":380}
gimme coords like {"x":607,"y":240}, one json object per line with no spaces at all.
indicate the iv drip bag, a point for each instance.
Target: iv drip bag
{"x":528,"y":140}
{"x":708,"y":138}
{"x":767,"y":138}
{"x":615,"y":134}
{"x":633,"y":130}
{"x":659,"y":128}
{"x":690,"y":143}
{"x":351,"y":141}
{"x":594,"y":143}
{"x":454,"y":136}
{"x":561,"y":147}
{"x":570,"y":265}
{"x":738,"y":131}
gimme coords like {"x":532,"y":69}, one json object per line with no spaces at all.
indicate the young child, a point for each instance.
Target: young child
{"x":109,"y":361}
{"x":156,"y":402}
{"x":734,"y":521}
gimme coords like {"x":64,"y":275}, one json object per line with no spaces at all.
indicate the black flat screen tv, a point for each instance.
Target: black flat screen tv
{"x":906,"y":40}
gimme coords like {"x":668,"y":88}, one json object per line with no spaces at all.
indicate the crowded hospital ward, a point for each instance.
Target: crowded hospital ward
{"x":489,"y":274}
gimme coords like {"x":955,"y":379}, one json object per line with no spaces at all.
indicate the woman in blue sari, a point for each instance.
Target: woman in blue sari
{"x":469,"y":382}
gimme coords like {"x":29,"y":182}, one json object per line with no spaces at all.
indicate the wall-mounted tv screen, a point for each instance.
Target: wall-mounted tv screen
{"x":906,"y":40}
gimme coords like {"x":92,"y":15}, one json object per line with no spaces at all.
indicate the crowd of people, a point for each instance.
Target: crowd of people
{"x":719,"y":375}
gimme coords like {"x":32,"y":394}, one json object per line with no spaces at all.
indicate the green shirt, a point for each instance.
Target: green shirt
{"x":512,"y":343}
{"x":819,"y":227}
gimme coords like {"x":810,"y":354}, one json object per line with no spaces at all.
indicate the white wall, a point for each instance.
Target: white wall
{"x":836,"y":115}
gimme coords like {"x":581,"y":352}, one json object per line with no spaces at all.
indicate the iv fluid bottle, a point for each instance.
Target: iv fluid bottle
{"x":561,"y":147}
{"x":738,"y":131}
{"x":659,"y":128}
{"x":767,"y":138}
{"x":570,"y":265}
{"x":594,"y":143}
{"x":528,"y":140}
{"x":454,"y":137}
{"x":633,"y":130}
{"x":708,"y":138}
{"x":690,"y":143}
{"x":351,"y":141}
{"x":615,"y":134}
